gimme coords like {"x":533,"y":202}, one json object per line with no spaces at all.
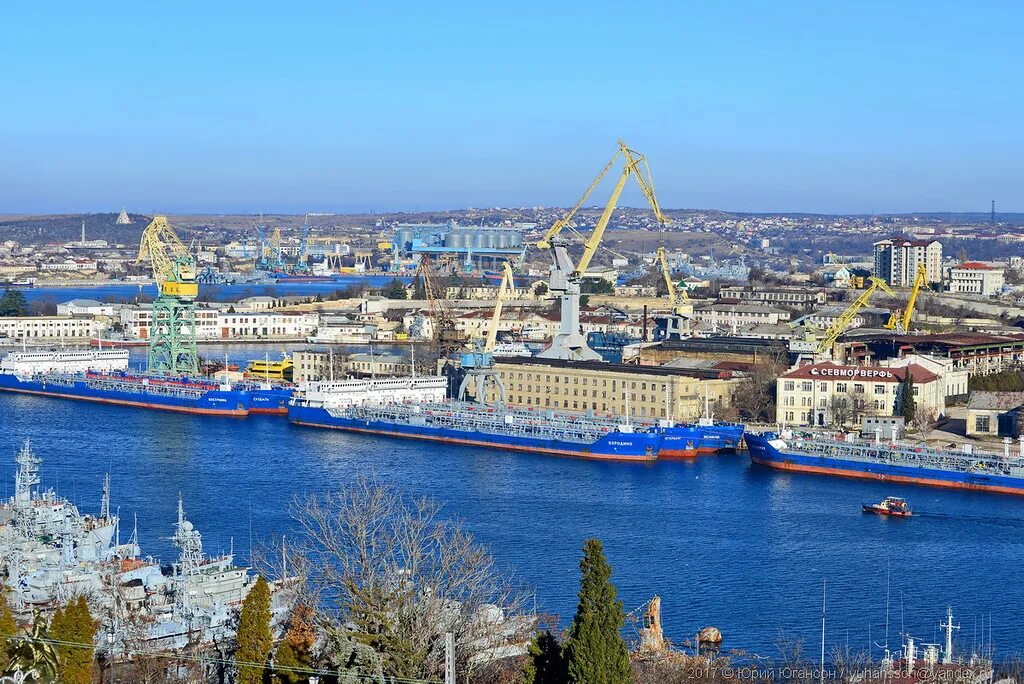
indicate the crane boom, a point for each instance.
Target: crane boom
{"x":506,"y":284}
{"x":900,"y":321}
{"x":676,"y":294}
{"x":172,"y":338}
{"x":844,"y":319}
{"x":565,"y":280}
{"x":174,"y":269}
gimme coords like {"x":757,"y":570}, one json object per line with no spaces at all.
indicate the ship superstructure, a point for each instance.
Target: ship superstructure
{"x":50,"y":553}
{"x":30,"y":363}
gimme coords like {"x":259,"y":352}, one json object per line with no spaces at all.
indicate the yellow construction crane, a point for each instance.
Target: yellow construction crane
{"x":564,"y":282}
{"x":172,"y":338}
{"x":173,"y":267}
{"x":478,"y":366}
{"x":680,"y":297}
{"x":507,"y":285}
{"x":900,"y":320}
{"x":844,"y":320}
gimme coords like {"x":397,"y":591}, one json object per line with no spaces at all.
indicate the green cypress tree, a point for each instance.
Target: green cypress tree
{"x":545,"y":664}
{"x":255,"y":640}
{"x":74,"y":627}
{"x":596,"y":652}
{"x":13,"y":303}
{"x":908,"y":406}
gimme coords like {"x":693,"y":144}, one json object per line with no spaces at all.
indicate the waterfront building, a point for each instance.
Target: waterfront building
{"x":85,"y":307}
{"x":897,"y":259}
{"x":643,"y":392}
{"x":827,"y":394}
{"x":974,"y":277}
{"x":54,"y":328}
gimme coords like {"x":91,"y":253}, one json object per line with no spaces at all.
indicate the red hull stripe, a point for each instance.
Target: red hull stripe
{"x":235,"y":413}
{"x":473,"y":442}
{"x":678,"y":453}
{"x":269,"y":412}
{"x":856,"y":474}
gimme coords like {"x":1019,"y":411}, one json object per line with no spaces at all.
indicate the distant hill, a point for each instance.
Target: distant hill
{"x":68,"y":227}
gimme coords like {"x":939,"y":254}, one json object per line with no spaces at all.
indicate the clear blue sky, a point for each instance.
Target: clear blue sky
{"x":353,"y":106}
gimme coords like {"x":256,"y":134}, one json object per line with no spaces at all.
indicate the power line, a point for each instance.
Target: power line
{"x":209,"y":660}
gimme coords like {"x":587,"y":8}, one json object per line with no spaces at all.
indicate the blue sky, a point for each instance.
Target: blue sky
{"x":353,"y":106}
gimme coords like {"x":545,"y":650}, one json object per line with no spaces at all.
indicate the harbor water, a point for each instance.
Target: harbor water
{"x":723,"y":542}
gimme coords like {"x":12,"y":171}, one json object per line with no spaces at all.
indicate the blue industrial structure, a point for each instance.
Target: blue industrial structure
{"x":476,"y":247}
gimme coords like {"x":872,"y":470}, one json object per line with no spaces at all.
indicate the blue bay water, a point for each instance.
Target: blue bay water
{"x":723,"y":542}
{"x":116,"y":292}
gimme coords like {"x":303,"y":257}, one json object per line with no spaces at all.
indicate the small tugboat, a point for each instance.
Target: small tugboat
{"x":892,"y":505}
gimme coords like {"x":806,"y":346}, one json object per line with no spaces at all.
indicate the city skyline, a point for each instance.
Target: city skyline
{"x":761,"y":108}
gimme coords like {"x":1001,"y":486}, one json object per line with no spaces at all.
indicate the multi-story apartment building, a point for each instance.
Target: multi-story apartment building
{"x":973,"y":277}
{"x":897,"y":259}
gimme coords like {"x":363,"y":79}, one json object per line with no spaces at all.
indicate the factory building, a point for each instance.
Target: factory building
{"x":475,"y":247}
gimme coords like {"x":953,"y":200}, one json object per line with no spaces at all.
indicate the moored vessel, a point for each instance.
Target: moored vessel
{"x":962,"y":468}
{"x":416,"y":408}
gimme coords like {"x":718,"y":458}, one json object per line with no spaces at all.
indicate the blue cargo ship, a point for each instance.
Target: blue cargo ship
{"x":487,"y":426}
{"x":690,"y":440}
{"x":269,"y":399}
{"x":168,"y":394}
{"x":961,"y":468}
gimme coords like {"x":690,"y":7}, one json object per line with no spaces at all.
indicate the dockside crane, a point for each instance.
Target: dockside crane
{"x":900,"y":320}
{"x":478,"y":365}
{"x":447,"y":338}
{"x":566,"y":277}
{"x":677,"y":325}
{"x":172,"y":339}
{"x":843,"y":321}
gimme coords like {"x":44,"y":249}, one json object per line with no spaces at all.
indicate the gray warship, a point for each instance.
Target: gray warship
{"x":51,"y":553}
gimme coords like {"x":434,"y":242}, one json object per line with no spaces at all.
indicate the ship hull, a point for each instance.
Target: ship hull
{"x":213,"y":402}
{"x":641,"y":447}
{"x":691,"y":441}
{"x":272,"y":402}
{"x":762,"y":452}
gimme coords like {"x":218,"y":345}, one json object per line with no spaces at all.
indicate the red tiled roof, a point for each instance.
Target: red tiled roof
{"x":976,"y":265}
{"x":835,"y":371}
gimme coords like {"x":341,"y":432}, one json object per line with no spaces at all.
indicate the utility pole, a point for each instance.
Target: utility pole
{"x":449,"y":658}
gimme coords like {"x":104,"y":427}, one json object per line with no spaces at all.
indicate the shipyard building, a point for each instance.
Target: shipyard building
{"x":642,"y":392}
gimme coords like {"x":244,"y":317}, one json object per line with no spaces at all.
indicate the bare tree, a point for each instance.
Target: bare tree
{"x":755,"y":396}
{"x":394,"y":575}
{"x":839,"y":410}
{"x":924,"y":422}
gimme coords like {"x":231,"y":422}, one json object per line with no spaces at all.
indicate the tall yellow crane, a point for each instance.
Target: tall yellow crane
{"x":564,"y":282}
{"x":678,"y":324}
{"x":507,"y":285}
{"x":900,"y":320}
{"x":478,"y":365}
{"x":840,"y":325}
{"x":172,"y":338}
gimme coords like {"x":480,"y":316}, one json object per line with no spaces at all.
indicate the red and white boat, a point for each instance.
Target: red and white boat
{"x":892,"y":505}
